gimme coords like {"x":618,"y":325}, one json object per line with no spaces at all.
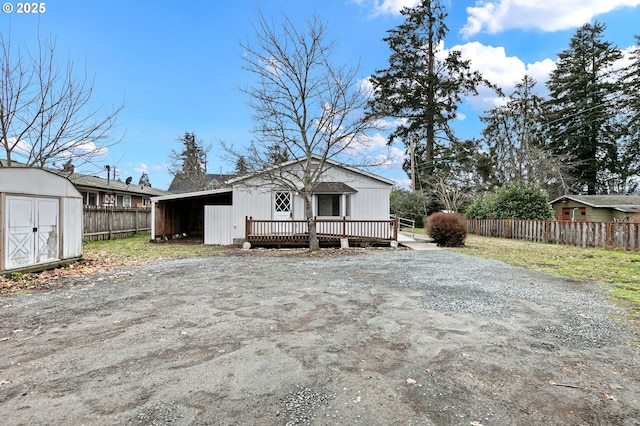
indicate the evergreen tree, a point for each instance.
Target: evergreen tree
{"x":144,"y":180}
{"x":630,"y":110}
{"x":421,"y":85}
{"x":241,"y":166}
{"x":189,"y":165}
{"x":581,"y":112}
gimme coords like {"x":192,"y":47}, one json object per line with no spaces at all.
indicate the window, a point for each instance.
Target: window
{"x":574,"y":213}
{"x":123,"y":200}
{"x":328,"y":204}
{"x":89,"y":198}
{"x":282,"y":202}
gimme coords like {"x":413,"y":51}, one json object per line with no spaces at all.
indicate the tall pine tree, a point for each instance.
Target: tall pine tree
{"x":189,"y":164}
{"x":630,"y":109}
{"x":422,"y":86}
{"x":581,"y":116}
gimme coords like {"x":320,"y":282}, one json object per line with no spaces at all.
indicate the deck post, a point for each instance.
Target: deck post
{"x":247,"y":226}
{"x":395,"y":229}
{"x":344,"y":226}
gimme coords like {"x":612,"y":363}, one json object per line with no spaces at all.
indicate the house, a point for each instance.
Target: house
{"x":40,"y":219}
{"x":181,"y":183}
{"x":351,"y":201}
{"x":598,"y":208}
{"x":101,"y":192}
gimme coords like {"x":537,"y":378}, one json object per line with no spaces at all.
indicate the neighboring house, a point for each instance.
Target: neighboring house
{"x":40,"y":219}
{"x":104,"y":192}
{"x":598,"y":208}
{"x":100,"y":192}
{"x":218,"y":216}
{"x":181,"y":184}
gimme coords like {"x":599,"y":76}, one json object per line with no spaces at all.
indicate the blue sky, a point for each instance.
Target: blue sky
{"x":177,"y":64}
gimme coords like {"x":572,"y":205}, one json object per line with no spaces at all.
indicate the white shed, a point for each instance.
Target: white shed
{"x":40,"y":219}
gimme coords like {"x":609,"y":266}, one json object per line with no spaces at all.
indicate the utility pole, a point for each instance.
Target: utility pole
{"x":413,"y":164}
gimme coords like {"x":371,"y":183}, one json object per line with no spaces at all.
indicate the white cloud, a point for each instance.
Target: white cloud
{"x":385,"y":7}
{"x":546,"y":15}
{"x":502,"y":70}
{"x":141,"y":168}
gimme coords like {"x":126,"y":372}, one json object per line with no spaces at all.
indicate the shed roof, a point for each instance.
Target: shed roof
{"x":35,"y":181}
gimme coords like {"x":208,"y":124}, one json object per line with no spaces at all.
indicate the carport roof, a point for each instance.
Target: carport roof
{"x":197,"y":194}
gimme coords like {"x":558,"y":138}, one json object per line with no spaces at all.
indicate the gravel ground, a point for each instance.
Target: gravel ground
{"x":374,"y":338}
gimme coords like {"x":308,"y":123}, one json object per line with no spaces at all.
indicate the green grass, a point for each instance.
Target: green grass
{"x":616,"y":271}
{"x":139,"y":248}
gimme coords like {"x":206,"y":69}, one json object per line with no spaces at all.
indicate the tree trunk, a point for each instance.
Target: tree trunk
{"x":314,"y":243}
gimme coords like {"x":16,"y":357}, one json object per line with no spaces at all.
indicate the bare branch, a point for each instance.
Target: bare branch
{"x":47,"y":110}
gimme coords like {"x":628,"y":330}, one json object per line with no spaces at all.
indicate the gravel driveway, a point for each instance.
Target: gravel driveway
{"x":377,"y":338}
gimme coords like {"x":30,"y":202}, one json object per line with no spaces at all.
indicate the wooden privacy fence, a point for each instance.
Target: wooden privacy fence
{"x":115,"y":222}
{"x":328,"y":230}
{"x":584,"y":234}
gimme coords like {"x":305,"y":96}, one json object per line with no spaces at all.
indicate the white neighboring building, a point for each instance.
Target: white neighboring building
{"x":40,"y":219}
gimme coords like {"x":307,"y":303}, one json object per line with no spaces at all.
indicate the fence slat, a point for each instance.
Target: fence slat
{"x":114,"y":222}
{"x":624,"y":235}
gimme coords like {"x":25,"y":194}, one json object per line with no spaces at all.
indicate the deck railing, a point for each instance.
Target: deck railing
{"x":294,"y":231}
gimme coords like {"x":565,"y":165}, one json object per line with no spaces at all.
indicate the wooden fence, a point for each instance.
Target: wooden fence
{"x":115,"y":222}
{"x":583,"y":234}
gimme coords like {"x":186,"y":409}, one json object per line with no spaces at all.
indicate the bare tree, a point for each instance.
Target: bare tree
{"x":47,"y":113}
{"x":451,"y":197}
{"x":311,"y":110}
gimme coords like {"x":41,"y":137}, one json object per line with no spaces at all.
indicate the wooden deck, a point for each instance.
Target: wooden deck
{"x":329,"y":231}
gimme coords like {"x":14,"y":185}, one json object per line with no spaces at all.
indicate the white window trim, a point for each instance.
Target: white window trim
{"x":343,"y":206}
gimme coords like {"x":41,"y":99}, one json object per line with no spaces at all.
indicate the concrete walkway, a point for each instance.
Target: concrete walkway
{"x":416,"y":241}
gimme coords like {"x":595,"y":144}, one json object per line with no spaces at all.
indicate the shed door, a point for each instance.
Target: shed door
{"x":32,"y":225}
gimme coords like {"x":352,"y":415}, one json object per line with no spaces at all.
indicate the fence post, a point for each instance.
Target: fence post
{"x":110,"y":221}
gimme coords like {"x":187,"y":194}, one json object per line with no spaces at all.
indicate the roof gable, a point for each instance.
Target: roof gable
{"x":332,"y":163}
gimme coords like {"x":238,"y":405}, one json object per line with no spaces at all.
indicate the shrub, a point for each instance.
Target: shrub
{"x":478,"y":209}
{"x":513,"y":201}
{"x":409,"y":205}
{"x":447,"y":229}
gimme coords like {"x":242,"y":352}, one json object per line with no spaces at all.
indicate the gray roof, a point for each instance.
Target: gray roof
{"x":333,"y":188}
{"x":216,"y":180}
{"x":625,"y":203}
{"x":332,"y":163}
{"x":94,"y":182}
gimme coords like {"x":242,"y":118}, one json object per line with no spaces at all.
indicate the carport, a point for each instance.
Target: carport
{"x":203,"y":215}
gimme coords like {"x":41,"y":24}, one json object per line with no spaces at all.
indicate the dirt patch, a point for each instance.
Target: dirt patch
{"x":345,"y":337}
